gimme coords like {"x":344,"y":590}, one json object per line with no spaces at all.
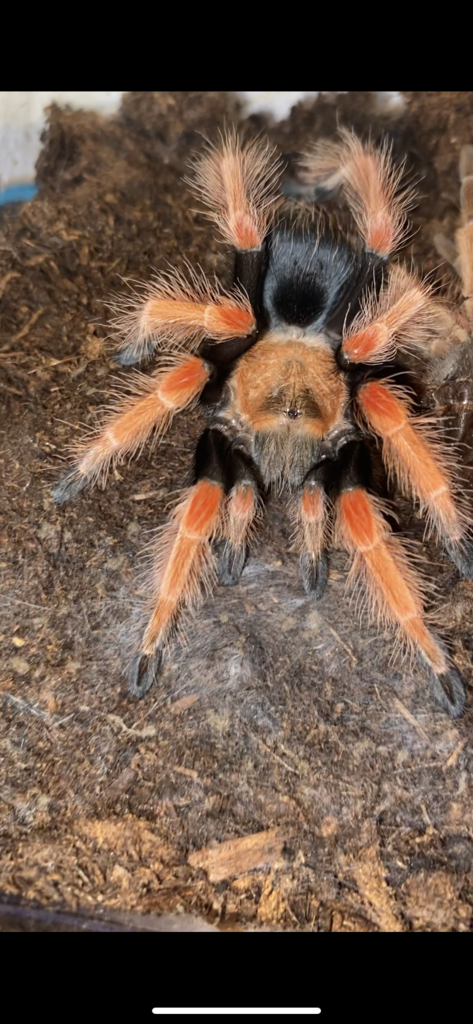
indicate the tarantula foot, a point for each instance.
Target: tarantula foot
{"x":144,"y":671}
{"x":129,"y":356}
{"x":462,"y":556}
{"x":450,"y":692}
{"x":314,"y":572}
{"x":69,"y":485}
{"x":231,"y":562}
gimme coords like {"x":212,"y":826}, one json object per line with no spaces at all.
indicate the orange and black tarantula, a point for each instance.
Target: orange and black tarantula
{"x":300,"y":367}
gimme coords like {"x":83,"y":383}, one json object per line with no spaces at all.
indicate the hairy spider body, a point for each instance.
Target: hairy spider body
{"x":299,"y":367}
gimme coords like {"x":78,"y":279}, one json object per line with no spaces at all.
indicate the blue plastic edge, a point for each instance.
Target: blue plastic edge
{"x":18,"y":193}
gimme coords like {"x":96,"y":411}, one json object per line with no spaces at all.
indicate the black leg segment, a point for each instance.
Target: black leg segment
{"x":210,"y":460}
{"x":352,"y":468}
{"x":461,"y":554}
{"x":315,"y":573}
{"x":223,"y":353}
{"x":449,"y":691}
{"x":144,"y":672}
{"x":128,"y":356}
{"x":249,"y":271}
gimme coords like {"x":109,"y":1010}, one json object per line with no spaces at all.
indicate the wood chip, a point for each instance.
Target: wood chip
{"x":184,"y":703}
{"x":401,"y":708}
{"x":190,"y":773}
{"x":4,"y":280}
{"x":369,"y":874}
{"x":144,"y":495}
{"x":29,"y":325}
{"x":237,"y":856}
{"x":147,"y":732}
{"x":452,"y":760}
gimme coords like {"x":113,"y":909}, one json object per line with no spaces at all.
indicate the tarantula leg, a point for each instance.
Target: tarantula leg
{"x":419,"y":465}
{"x":311,"y":529}
{"x":248,"y":271}
{"x":186,"y":560}
{"x":182,"y":565}
{"x":464,"y":236}
{"x":149,"y":409}
{"x":145,"y":670}
{"x":182,"y":311}
{"x":461,"y":554}
{"x":403,"y":315}
{"x":394,"y":587}
{"x":242,"y":510}
{"x":371,"y":186}
{"x":238,"y":182}
{"x":449,"y":691}
{"x":131,"y":354}
{"x":315,"y":573}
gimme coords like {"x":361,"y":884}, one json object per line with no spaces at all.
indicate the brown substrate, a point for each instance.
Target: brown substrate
{"x":282,"y":716}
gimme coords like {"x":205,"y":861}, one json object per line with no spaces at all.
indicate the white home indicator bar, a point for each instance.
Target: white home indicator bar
{"x":315,"y":1009}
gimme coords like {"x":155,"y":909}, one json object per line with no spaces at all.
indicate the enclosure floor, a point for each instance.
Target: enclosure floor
{"x":282,"y":729}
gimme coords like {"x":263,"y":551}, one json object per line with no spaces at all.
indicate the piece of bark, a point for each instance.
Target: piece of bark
{"x":237,"y":856}
{"x":369,"y":874}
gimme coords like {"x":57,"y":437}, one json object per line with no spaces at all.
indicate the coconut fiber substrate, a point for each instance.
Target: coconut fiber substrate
{"x":283,"y":772}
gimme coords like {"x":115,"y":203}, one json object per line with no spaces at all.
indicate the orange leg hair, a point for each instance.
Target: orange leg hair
{"x":371,"y":185}
{"x":403,"y":316}
{"x":183,"y":561}
{"x":394,"y":589}
{"x":311,"y":538}
{"x":180,"y":311}
{"x":241,"y":513}
{"x":149,"y":409}
{"x":420,"y":468}
{"x":238,"y":182}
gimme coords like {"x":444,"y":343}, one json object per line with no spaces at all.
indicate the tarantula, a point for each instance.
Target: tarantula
{"x":299,"y":366}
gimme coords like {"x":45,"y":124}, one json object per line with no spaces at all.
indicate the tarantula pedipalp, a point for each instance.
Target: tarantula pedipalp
{"x":299,"y":364}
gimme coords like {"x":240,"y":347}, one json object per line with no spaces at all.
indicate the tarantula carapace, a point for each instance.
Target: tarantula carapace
{"x":299,"y":366}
